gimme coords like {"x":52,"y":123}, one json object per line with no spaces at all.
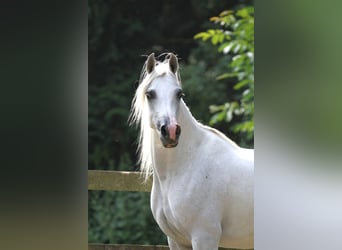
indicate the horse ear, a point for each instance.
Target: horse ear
{"x":173,"y":62}
{"x":150,"y":63}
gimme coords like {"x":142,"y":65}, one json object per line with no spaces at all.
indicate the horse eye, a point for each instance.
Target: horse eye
{"x":150,"y":94}
{"x":180,"y":94}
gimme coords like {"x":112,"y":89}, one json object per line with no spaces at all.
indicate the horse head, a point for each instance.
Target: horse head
{"x":163,"y":95}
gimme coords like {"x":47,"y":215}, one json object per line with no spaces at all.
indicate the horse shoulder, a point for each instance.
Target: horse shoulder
{"x":231,"y":169}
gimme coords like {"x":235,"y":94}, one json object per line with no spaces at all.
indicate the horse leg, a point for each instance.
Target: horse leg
{"x":173,"y":245}
{"x":204,"y":241}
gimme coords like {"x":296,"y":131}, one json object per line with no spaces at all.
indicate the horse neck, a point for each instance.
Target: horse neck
{"x":166,"y":160}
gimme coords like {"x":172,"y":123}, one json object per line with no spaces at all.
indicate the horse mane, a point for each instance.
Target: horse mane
{"x":219,"y":134}
{"x":139,"y":111}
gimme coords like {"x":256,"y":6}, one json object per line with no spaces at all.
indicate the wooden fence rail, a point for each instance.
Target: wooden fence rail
{"x":120,"y":181}
{"x":117,"y":181}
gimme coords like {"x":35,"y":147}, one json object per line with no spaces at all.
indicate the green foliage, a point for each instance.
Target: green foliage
{"x":122,"y":217}
{"x":235,"y":40}
{"x":199,"y":81}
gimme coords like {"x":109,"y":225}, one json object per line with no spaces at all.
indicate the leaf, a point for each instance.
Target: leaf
{"x":216,"y":108}
{"x":226,"y":75}
{"x":222,"y":46}
{"x":241,"y":84}
{"x":226,"y":13}
{"x":228,"y":47}
{"x":215,"y":39}
{"x":241,"y":75}
{"x":214,"y":19}
{"x":247,"y":126}
{"x":242,"y":13}
{"x":217,"y":118}
{"x":221,"y":36}
{"x":203,"y":35}
{"x":211,"y":32}
{"x":239,"y":111}
{"x":237,"y":47}
{"x":238,"y":59}
{"x":229,"y":115}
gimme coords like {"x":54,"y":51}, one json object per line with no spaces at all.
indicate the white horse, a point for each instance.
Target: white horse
{"x":202,"y":193}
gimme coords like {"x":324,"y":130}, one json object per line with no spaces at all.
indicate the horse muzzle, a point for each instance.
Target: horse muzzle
{"x":169,"y":135}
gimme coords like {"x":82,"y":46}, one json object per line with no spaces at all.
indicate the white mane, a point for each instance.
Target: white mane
{"x":140,"y":116}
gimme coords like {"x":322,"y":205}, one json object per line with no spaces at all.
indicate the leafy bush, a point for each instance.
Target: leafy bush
{"x":235,"y":39}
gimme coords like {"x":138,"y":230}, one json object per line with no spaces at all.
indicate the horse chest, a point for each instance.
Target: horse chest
{"x":170,"y":218}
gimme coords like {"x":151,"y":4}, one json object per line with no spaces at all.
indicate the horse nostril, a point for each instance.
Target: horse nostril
{"x":178,"y":130}
{"x":163,"y":131}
